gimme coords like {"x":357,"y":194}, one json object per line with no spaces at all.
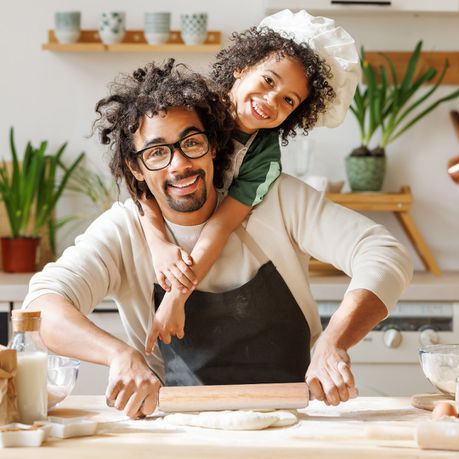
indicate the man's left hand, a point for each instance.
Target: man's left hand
{"x":329,"y":376}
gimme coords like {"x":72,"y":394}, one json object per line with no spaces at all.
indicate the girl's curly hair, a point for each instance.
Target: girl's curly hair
{"x":151,"y":90}
{"x":256,"y":45}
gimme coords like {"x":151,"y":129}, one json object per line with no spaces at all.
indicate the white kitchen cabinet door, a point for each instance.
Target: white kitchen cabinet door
{"x":360,"y":6}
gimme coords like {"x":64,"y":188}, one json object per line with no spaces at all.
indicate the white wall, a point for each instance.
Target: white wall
{"x":47,"y":95}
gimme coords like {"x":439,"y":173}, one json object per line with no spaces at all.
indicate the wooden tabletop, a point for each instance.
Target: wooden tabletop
{"x":323,"y":432}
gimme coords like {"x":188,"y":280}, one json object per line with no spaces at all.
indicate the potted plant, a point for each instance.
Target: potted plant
{"x":30,"y":191}
{"x":388,"y":109}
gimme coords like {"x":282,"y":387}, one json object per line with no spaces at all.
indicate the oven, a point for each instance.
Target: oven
{"x":5,"y":308}
{"x":386,"y":361}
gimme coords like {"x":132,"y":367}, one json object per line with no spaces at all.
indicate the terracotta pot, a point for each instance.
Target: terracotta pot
{"x":19,"y":255}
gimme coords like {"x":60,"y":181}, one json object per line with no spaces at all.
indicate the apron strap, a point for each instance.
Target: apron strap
{"x":249,"y":241}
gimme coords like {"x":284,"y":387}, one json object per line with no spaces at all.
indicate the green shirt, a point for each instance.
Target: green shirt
{"x":260,"y":168}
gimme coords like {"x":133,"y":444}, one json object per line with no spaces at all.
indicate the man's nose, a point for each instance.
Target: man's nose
{"x":179,"y":160}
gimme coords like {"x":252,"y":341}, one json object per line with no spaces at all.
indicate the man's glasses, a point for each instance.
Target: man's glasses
{"x":158,"y":157}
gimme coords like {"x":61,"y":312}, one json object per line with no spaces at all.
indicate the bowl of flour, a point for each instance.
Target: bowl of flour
{"x":440,"y":364}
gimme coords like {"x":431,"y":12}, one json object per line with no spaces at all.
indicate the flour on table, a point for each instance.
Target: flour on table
{"x":233,"y":420}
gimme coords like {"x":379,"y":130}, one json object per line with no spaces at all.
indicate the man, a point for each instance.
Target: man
{"x":252,"y":318}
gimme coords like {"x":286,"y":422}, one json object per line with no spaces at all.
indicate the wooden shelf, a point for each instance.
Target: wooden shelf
{"x":134,"y":41}
{"x":426,"y":60}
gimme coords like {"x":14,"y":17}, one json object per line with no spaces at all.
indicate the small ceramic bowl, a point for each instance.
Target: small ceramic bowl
{"x":16,"y":435}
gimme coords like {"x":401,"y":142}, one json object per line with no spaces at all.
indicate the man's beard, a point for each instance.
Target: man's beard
{"x":191,"y":202}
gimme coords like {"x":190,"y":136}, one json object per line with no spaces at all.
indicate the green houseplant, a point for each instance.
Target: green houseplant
{"x":389,"y":109}
{"x":30,"y":191}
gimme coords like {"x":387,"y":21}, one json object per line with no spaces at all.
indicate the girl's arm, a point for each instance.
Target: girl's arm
{"x":205,"y":253}
{"x":169,"y":260}
{"x":215,"y":234}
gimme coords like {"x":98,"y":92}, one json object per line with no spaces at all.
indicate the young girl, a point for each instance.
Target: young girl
{"x":293,"y":71}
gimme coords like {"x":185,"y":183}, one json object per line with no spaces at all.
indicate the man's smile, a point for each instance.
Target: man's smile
{"x":185,"y":185}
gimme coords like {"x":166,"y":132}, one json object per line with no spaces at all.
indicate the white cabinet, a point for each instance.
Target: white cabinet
{"x":360,"y":6}
{"x":92,"y":379}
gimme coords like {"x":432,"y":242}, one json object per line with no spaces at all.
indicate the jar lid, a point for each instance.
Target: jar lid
{"x":24,"y":313}
{"x":23,"y":320}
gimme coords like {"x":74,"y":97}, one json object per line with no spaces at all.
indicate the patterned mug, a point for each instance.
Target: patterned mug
{"x":194,"y":28}
{"x":112,"y":27}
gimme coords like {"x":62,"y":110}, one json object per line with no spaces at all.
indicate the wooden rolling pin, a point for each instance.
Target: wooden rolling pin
{"x":233,"y":397}
{"x":442,"y":434}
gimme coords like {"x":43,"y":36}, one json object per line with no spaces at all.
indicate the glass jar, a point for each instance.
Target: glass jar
{"x":32,"y":368}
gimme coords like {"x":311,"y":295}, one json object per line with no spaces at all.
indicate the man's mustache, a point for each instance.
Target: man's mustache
{"x":198,"y":172}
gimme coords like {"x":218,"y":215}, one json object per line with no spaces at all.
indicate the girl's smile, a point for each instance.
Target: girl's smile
{"x":265,"y":94}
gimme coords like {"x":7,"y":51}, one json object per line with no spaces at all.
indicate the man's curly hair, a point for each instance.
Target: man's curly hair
{"x":257,"y":45}
{"x":151,"y":90}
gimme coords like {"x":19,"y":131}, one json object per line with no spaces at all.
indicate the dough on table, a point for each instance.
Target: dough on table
{"x":233,"y":420}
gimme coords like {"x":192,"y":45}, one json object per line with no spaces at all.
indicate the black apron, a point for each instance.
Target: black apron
{"x":255,"y":333}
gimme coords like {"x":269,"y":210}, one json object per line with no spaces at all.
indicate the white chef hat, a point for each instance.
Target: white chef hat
{"x":333,"y":44}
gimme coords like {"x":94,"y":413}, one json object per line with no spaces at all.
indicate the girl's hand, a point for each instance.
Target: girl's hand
{"x":169,"y":320}
{"x":172,"y":267}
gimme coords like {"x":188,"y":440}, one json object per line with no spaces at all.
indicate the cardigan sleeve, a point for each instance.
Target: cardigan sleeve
{"x":366,"y":251}
{"x":92,"y":268}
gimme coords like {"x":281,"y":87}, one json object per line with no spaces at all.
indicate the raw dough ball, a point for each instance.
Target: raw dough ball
{"x":233,"y":420}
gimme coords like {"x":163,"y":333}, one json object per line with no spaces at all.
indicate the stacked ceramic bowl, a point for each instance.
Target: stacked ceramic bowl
{"x":157,"y":27}
{"x":67,"y":26}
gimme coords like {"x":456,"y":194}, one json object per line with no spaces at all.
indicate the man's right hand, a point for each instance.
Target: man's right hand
{"x":132,"y":386}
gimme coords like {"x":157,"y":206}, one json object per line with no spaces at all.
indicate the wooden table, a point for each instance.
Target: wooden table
{"x":323,"y":432}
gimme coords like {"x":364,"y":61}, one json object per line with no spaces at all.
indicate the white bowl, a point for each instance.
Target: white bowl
{"x":14,"y":435}
{"x":440,"y":364}
{"x":62,"y":376}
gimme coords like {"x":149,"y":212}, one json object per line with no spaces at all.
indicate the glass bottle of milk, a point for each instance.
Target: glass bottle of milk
{"x":32,"y":369}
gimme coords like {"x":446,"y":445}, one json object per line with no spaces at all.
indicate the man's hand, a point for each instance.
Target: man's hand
{"x":169,"y":320}
{"x":132,"y":386}
{"x":329,"y":376}
{"x":172,"y":267}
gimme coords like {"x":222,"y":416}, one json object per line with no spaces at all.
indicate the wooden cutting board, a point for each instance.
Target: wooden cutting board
{"x":233,"y":397}
{"x":428,"y":401}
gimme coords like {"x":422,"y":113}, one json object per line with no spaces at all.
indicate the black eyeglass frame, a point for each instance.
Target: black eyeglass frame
{"x":173,"y":147}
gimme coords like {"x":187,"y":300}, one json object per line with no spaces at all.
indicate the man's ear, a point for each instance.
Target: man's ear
{"x":136,"y":172}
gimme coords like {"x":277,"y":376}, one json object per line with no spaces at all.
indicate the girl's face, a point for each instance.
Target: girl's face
{"x":265,"y":94}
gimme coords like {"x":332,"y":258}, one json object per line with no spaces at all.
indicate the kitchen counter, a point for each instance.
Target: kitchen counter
{"x":425,"y":286}
{"x":325,"y":432}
